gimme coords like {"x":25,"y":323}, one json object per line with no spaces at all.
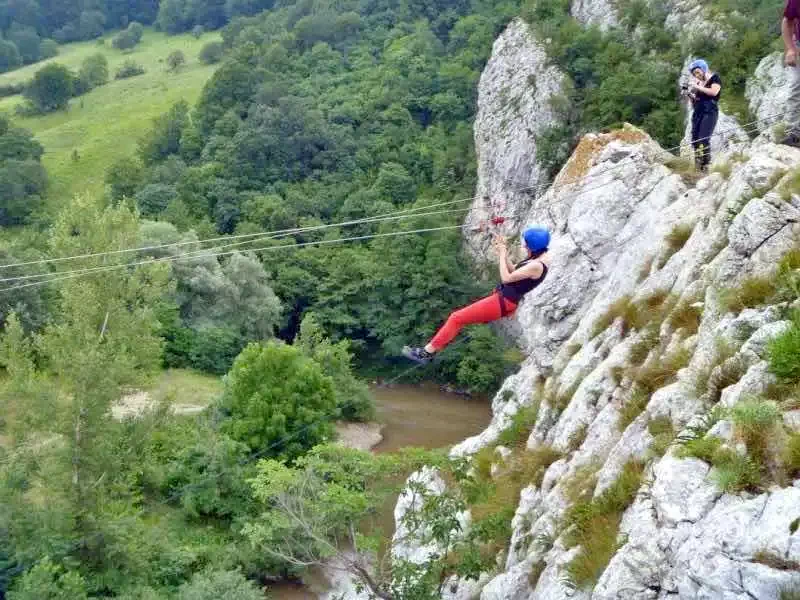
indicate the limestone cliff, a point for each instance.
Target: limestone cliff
{"x":638,"y":342}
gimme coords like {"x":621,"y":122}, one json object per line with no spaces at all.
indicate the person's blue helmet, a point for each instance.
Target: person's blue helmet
{"x":536,"y":239}
{"x":699,"y":64}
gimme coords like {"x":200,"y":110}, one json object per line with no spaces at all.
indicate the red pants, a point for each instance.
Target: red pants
{"x":484,"y":310}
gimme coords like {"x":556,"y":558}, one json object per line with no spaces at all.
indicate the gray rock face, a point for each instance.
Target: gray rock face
{"x":515,"y":104}
{"x":768,"y":90}
{"x":595,"y":12}
{"x":612,"y":227}
{"x":626,"y":228}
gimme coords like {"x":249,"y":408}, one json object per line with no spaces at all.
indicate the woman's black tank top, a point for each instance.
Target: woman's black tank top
{"x":516,"y":290}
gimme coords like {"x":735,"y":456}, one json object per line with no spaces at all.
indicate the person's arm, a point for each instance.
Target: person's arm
{"x":532,"y":270}
{"x":788,"y":31}
{"x":502,"y":253}
{"x":712,"y":90}
{"x":788,"y":27}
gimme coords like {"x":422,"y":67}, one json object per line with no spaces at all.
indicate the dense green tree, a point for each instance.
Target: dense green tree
{"x":124,"y":177}
{"x":48,"y":49}
{"x":212,"y":53}
{"x":352,"y":396}
{"x":137,"y":30}
{"x":101,"y":341}
{"x":277,"y":401}
{"x":9,"y":56}
{"x":221,"y":584}
{"x":22,"y":185}
{"x":23,"y":179}
{"x":171,"y":16}
{"x":94,"y":71}
{"x":240,"y":8}
{"x":164,"y":138}
{"x":154,"y":198}
{"x":176,"y":60}
{"x":49,"y":581}
{"x":91,"y":24}
{"x":124,"y":40}
{"x":27,"y":42}
{"x":51,"y":88}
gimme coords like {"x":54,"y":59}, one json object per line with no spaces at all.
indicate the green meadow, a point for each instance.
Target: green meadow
{"x":105,"y":124}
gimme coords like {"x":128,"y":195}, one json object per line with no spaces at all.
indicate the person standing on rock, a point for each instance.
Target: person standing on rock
{"x":790,"y":29}
{"x":704,"y":92}
{"x":516,"y":281}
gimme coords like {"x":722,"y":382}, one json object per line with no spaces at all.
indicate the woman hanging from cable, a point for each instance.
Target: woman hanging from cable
{"x":704,"y":93}
{"x":516,"y":281}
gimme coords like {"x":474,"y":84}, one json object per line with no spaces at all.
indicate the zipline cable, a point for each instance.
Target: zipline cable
{"x":203,"y":253}
{"x":211,"y":252}
{"x":410,"y":212}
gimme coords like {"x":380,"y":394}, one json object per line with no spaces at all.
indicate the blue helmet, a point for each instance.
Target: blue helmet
{"x":699,"y":64}
{"x":536,"y":239}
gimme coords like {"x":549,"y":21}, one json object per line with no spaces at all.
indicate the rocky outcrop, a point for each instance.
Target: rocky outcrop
{"x":692,"y":20}
{"x":768,"y":91}
{"x":641,"y":257}
{"x":627,"y":226}
{"x":601,"y":13}
{"x":515,"y":104}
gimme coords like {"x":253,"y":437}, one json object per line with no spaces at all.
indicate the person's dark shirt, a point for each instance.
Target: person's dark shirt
{"x":705,"y":103}
{"x":792,"y":13}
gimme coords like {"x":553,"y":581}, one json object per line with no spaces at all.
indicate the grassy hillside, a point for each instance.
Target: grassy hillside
{"x":105,"y":124}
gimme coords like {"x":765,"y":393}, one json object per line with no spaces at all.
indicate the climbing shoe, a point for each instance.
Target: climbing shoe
{"x":417,"y":355}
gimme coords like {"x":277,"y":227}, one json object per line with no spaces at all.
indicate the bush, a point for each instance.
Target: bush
{"x":154,"y":198}
{"x":212,"y":53}
{"x":784,"y":353}
{"x":676,"y":240}
{"x":51,"y":88}
{"x":704,"y":448}
{"x":212,"y":478}
{"x":124,"y":40}
{"x":633,"y":408}
{"x":137,"y":30}
{"x":278,"y":402}
{"x":755,"y":422}
{"x":735,"y":473}
{"x":753,"y":292}
{"x":353,"y":398}
{"x":11,"y":89}
{"x":594,"y":526}
{"x":522,"y":424}
{"x":49,"y":581}
{"x":94,"y":72}
{"x":129,"y":69}
{"x":213,"y":585}
{"x":211,"y":350}
{"x":663,"y":433}
{"x":176,"y":60}
{"x":640,"y":349}
{"x":27,"y":42}
{"x":791,"y":457}
{"x":48,"y":49}
{"x":686,"y":316}
{"x":9,"y":56}
{"x":661,"y":372}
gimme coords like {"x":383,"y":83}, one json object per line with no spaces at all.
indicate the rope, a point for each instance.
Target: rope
{"x":64,"y":275}
{"x":406,"y":213}
{"x":78,"y":273}
{"x":205,"y":252}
